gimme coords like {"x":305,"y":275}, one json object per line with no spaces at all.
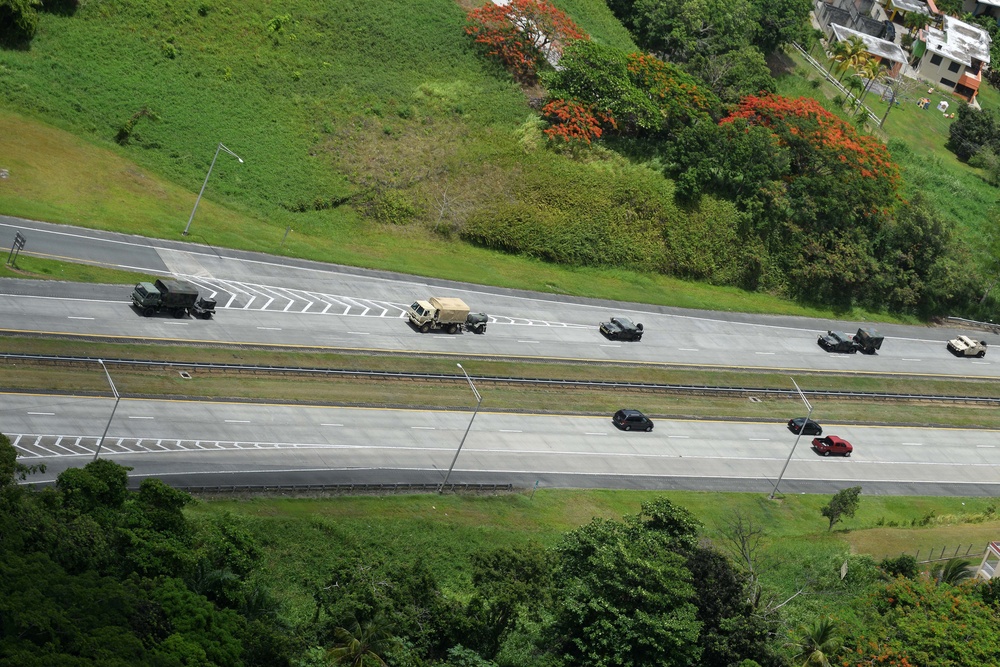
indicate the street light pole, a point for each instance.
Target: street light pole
{"x":479,"y":400}
{"x":795,"y":444}
{"x":117,"y":399}
{"x":220,"y":148}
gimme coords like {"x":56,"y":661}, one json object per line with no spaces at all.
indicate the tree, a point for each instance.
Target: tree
{"x":361,"y":643}
{"x":953,"y":572}
{"x":626,"y":599}
{"x":851,"y":53}
{"x":522,"y":34}
{"x":915,"y":21}
{"x":781,"y":22}
{"x":843,"y":504}
{"x":18,"y":21}
{"x":818,"y":643}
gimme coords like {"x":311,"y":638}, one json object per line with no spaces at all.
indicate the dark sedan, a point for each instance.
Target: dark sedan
{"x":811,"y":428}
{"x":621,"y":328}
{"x":838,"y":341}
{"x":632,"y":420}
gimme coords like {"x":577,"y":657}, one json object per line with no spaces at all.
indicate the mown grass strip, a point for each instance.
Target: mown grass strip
{"x":39,"y":268}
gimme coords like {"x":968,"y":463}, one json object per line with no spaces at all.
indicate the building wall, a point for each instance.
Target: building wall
{"x":934,"y":73}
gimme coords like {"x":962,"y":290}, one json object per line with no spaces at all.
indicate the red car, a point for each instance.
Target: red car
{"x":832,"y":444}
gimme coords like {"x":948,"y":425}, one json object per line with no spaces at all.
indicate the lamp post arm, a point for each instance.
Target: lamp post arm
{"x":118,"y":398}
{"x":460,"y":445}
{"x":794,"y":445}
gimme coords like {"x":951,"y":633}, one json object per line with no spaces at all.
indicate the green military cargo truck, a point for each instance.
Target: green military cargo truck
{"x":177,"y":297}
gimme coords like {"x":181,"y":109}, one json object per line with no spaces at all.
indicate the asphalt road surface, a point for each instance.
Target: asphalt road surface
{"x":199,"y":443}
{"x":280,"y":301}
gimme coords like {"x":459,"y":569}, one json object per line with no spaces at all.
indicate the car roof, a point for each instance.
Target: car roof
{"x":629,"y":412}
{"x":836,"y":439}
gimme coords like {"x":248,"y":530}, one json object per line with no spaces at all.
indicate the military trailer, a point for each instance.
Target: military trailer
{"x":868,"y":340}
{"x":177,"y":297}
{"x":476,"y":322}
{"x":438,"y":312}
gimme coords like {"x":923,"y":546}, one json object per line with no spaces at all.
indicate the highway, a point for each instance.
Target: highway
{"x":213,"y":443}
{"x":283,"y":302}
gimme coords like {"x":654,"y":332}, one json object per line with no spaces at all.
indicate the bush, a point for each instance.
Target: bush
{"x":18,"y":21}
{"x":902,"y":566}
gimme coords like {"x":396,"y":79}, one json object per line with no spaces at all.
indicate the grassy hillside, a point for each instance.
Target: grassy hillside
{"x":303,"y":538}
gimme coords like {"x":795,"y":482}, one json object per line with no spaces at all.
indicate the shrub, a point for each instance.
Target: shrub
{"x":522,"y":34}
{"x":18,"y":20}
{"x":574,"y":122}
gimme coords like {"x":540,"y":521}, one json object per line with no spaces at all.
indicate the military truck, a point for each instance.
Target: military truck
{"x":963,"y":346}
{"x":866,"y":341}
{"x":176,"y":297}
{"x":438,"y":312}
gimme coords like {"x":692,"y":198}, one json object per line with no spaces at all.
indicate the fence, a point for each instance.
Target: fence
{"x":852,"y":98}
{"x":947,"y":553}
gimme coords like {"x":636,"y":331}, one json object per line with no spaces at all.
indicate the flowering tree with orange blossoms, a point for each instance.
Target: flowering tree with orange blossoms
{"x":574,"y":122}
{"x":522,"y":34}
{"x":848,"y":178}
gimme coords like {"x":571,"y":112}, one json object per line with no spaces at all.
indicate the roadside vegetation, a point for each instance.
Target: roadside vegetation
{"x":421,"y":164}
{"x":38,"y":268}
{"x":97,"y":574}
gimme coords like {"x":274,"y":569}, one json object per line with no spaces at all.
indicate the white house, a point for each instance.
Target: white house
{"x":953,"y":57}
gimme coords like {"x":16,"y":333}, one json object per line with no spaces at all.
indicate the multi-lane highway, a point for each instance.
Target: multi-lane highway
{"x":278,"y":301}
{"x":198,"y":443}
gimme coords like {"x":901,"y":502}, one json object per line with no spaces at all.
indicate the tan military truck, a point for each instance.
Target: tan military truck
{"x":963,"y":346}
{"x":438,"y":312}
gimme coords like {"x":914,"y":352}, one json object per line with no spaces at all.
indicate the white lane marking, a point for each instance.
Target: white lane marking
{"x":510,"y":430}
{"x":591,"y":433}
{"x":760,"y":440}
{"x":763,"y":352}
{"x":688,"y":349}
{"x":682,"y":437}
{"x":528,"y":341}
{"x":985,"y":446}
{"x":72,"y":317}
{"x":912,"y":444}
{"x":46,"y":414}
{"x":359,"y":333}
{"x":331,"y":424}
{"x":424,"y":428}
{"x":176,"y":324}
{"x":136,"y":417}
{"x":905,"y":359}
{"x":982,"y":363}
{"x":237,"y":421}
{"x":603,"y":345}
{"x":270,"y":328}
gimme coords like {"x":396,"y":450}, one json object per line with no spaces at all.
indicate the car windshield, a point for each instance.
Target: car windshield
{"x":624,"y":322}
{"x":418,"y":309}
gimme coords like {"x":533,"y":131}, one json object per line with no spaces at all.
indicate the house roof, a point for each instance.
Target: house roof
{"x":959,"y":41}
{"x":917,"y":6}
{"x":873,"y":45}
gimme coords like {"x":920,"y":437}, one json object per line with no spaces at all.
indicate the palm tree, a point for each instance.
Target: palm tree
{"x":871,"y":71}
{"x":916,"y":21}
{"x":953,"y":572}
{"x":360,"y":645}
{"x":857,"y":54}
{"x":817,"y":643}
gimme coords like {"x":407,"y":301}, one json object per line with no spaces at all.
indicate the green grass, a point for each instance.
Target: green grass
{"x":302,"y":538}
{"x":27,"y":266}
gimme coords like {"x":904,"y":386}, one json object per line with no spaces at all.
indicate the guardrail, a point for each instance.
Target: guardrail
{"x":347,"y":489}
{"x":989,"y":326}
{"x":837,"y":84}
{"x":446,"y":377}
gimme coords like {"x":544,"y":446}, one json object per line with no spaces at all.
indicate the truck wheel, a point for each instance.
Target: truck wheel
{"x":453,"y":329}
{"x":425,"y":327}
{"x":638,"y":338}
{"x":180,"y":312}
{"x":148,"y":311}
{"x":628,"y":428}
{"x":826,"y":453}
{"x":981,"y":354}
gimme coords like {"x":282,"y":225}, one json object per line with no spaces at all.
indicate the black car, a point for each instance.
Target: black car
{"x":621,"y":328}
{"x":838,"y":341}
{"x":812,"y":428}
{"x":632,"y":420}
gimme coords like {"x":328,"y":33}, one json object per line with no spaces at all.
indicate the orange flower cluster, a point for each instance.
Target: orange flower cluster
{"x":521,"y":34}
{"x":803,"y":119}
{"x":572,"y":121}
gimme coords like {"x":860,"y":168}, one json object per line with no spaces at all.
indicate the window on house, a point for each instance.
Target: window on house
{"x":954,"y":67}
{"x":948,"y":82}
{"x":936,"y":59}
